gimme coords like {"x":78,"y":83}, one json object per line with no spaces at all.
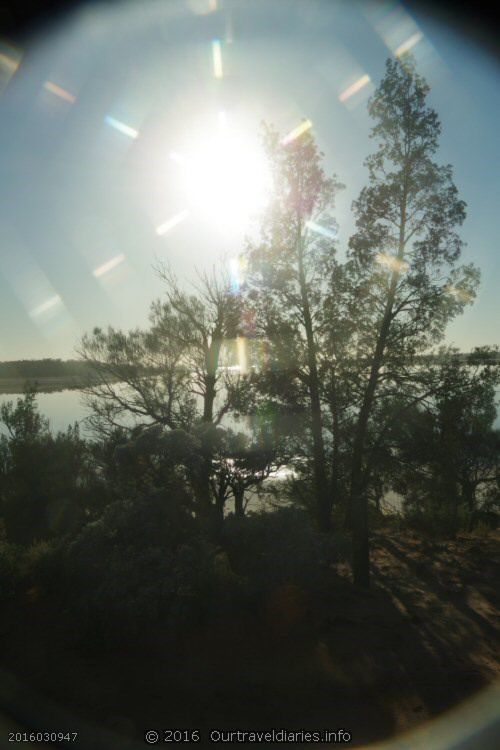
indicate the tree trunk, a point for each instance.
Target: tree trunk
{"x":469,"y":497}
{"x":209,"y":399}
{"x":358,"y":511}
{"x":323,"y":503}
{"x":358,"y":506}
{"x":211,"y":363}
{"x":335,"y":491}
{"x":239,"y":509}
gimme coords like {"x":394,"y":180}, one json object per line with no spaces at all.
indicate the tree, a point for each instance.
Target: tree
{"x":174,"y":375}
{"x":286,"y":286}
{"x":46,"y":480}
{"x":245,"y":460}
{"x":446,"y":452}
{"x":137,"y":377}
{"x":403,"y":285}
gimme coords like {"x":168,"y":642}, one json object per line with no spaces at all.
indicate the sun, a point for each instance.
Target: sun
{"x":225,"y":177}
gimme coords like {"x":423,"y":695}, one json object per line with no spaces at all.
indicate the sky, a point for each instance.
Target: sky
{"x":111,"y":123}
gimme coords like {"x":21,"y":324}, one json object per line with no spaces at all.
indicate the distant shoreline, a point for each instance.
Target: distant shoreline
{"x":18,"y":386}
{"x":62,"y":375}
{"x":46,"y":375}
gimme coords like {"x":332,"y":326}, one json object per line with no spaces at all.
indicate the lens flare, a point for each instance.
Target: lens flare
{"x":392,"y":263}
{"x":10,"y":60}
{"x":297,"y":132}
{"x":462,"y":295}
{"x":46,"y":306}
{"x":234,"y":270}
{"x":241,"y":351}
{"x":109,"y":265}
{"x":217,"y":58}
{"x":354,"y":88}
{"x":59,"y":91}
{"x":319,"y":229}
{"x":172,"y":222}
{"x":121,"y":127}
{"x":409,"y":44}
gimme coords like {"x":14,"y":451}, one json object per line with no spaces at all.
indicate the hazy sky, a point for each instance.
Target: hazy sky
{"x":97,"y":115}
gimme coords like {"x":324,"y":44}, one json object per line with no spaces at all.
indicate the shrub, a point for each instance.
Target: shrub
{"x":41,"y":565}
{"x":144,"y":563}
{"x":282,"y":547}
{"x":10,"y":558}
{"x":46,"y":479}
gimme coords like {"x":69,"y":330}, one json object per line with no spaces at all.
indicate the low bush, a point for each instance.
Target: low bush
{"x":282,"y":547}
{"x":10,"y":564}
{"x":41,"y":565}
{"x":142,"y":565}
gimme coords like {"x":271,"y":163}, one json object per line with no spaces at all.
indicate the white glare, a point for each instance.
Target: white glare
{"x":227,"y":179}
{"x":179,"y":158}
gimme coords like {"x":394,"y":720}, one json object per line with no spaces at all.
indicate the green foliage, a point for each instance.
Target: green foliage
{"x":45,"y":480}
{"x":142,"y":563}
{"x":444,"y":456}
{"x":41,"y":566}
{"x":401,"y":284}
{"x":288,"y":266}
{"x":146,"y":565}
{"x":169,"y":373}
{"x":10,"y":559}
{"x":280,"y":547}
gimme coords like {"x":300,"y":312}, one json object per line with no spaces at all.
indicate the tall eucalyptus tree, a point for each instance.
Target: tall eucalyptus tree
{"x":404,"y":284}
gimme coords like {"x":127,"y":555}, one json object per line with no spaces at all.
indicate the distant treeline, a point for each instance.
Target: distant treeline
{"x":58,"y":368}
{"x":479,"y":355}
{"x":44,"y":368}
{"x":33,"y":369}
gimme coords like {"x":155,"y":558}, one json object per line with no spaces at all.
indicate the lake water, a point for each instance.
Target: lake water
{"x":61,"y":407}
